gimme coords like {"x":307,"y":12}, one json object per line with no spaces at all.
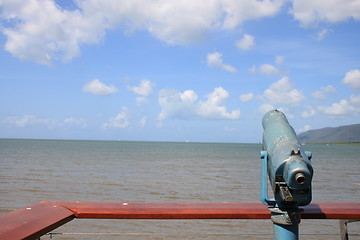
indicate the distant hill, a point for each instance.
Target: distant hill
{"x":343,"y":134}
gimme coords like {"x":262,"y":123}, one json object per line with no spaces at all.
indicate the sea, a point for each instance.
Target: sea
{"x":121,"y":171}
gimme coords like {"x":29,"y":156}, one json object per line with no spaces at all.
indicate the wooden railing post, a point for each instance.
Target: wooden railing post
{"x":343,"y":228}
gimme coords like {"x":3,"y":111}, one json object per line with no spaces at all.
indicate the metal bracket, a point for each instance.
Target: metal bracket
{"x":289,"y":217}
{"x":264,"y":181}
{"x":308,"y":155}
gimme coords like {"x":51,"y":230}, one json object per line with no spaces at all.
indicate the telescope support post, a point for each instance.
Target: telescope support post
{"x":288,"y":232}
{"x":286,"y":223}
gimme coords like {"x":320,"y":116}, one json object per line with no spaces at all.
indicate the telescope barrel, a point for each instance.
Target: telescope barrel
{"x":288,"y":166}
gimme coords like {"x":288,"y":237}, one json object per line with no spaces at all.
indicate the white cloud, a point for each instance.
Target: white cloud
{"x":322,"y":34}
{"x":185,"y":105}
{"x":76,"y":122}
{"x":268,"y":70}
{"x":246,"y":43}
{"x":144,"y":88}
{"x":215,"y":60}
{"x":21,"y":121}
{"x":352,"y":79}
{"x":310,"y":112}
{"x":265,"y":69}
{"x":189,"y":96}
{"x":143,"y":121}
{"x":312,"y":12}
{"x":32,"y":120}
{"x":341,"y":108}
{"x":121,"y":120}
{"x":252,"y":69}
{"x":237,"y":12}
{"x":96,"y":87}
{"x":264,"y":108}
{"x":304,"y":129}
{"x":344,"y":107}
{"x":321,"y":94}
{"x":246,"y":97}
{"x":217,"y":96}
{"x":141,"y":100}
{"x":355,"y":100}
{"x":279,"y":60}
{"x":175,"y":104}
{"x":41,"y":31}
{"x":211,"y":109}
{"x":29,"y":120}
{"x":282,"y":92}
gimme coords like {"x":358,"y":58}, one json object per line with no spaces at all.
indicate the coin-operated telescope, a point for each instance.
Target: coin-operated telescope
{"x":289,"y":170}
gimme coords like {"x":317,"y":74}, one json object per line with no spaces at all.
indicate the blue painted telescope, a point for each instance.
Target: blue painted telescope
{"x":287,"y":164}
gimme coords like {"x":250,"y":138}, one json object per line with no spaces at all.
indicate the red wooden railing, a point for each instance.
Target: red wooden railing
{"x":34,"y":221}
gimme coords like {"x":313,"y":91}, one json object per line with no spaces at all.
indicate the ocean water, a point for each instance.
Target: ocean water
{"x":117,"y":171}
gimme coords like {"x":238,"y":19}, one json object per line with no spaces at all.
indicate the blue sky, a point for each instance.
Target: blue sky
{"x":176,"y":70}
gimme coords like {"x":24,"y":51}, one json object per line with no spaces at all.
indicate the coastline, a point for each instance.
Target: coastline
{"x":335,"y":143}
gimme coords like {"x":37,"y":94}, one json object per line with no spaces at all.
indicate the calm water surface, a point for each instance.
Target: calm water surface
{"x":35,"y":170}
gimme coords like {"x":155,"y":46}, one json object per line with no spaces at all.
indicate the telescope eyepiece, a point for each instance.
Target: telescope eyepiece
{"x":300,"y":178}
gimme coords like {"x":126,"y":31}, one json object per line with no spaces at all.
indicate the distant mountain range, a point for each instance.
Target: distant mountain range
{"x":342,"y":134}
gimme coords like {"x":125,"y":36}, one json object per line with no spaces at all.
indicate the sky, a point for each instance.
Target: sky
{"x":197,"y":71}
